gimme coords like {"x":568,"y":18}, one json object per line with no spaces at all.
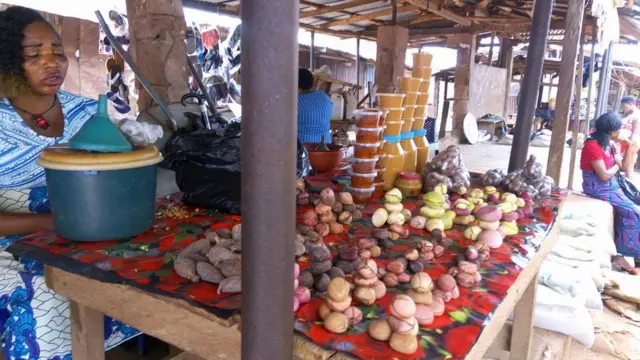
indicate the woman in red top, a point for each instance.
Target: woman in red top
{"x":600,"y":163}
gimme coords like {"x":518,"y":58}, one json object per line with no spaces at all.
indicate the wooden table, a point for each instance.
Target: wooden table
{"x":198,"y":332}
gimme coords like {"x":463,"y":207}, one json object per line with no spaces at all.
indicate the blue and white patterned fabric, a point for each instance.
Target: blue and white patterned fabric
{"x":314,"y":117}
{"x":34,"y":321}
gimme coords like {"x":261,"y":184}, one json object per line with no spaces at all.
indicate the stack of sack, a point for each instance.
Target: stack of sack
{"x":573,"y":276}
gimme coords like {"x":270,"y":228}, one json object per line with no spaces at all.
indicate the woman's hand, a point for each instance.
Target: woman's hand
{"x":15,"y":224}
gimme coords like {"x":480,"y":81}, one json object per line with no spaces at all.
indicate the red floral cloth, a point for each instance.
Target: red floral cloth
{"x":591,"y":151}
{"x":145,"y":262}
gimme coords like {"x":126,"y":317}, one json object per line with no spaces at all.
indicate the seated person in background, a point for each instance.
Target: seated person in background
{"x":630,"y":133}
{"x":314,"y":111}
{"x":600,"y":162}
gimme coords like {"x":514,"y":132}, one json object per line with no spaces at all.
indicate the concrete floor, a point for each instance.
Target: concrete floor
{"x":487,"y":155}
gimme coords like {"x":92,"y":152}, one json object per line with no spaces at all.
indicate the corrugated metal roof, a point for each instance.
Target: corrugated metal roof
{"x":442,"y":21}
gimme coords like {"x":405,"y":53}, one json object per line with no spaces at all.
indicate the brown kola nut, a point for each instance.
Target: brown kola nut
{"x":338,"y":289}
{"x":421,"y":282}
{"x":365,"y":295}
{"x":425,"y":298}
{"x":380,"y":330}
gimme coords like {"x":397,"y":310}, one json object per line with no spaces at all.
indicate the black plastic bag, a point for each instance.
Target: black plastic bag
{"x":628,"y":188}
{"x":208,"y":167}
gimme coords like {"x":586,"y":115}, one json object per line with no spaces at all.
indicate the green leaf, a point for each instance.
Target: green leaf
{"x":439,"y":331}
{"x":424,"y":344}
{"x":164,"y":272}
{"x":445,"y":353}
{"x":480,"y":290}
{"x":459,"y":316}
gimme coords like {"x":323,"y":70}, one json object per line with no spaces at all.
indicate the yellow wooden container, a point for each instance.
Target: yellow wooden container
{"x":418,"y":123}
{"x":409,"y":84}
{"x":408,"y":112}
{"x":423,"y":99}
{"x":424,"y":85}
{"x":407,"y":124}
{"x":423,"y":72}
{"x":410,"y":98}
{"x":393,"y":114}
{"x":390,"y":100}
{"x":420,"y":111}
{"x":422,"y":59}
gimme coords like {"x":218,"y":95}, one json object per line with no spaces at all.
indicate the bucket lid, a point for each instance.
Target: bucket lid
{"x":100,"y":134}
{"x":62,"y":157}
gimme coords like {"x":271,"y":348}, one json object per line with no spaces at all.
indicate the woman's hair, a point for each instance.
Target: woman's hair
{"x":605,"y":125}
{"x":13,"y":22}
{"x":305,"y":79}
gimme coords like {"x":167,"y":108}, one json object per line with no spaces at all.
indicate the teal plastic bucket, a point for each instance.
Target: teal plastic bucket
{"x":102,"y":205}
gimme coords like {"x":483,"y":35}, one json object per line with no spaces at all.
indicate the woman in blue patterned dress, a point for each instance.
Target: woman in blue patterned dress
{"x":34,"y":114}
{"x":600,"y":162}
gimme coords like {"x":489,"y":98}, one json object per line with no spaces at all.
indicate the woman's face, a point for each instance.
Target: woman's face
{"x":45,"y":65}
{"x":615,"y":135}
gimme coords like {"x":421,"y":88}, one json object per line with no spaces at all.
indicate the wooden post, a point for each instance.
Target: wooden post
{"x":392,"y":47}
{"x":87,"y":333}
{"x":157,"y":29}
{"x":532,"y":74}
{"x":572,"y":33}
{"x":508,"y":62}
{"x":576,"y":116}
{"x":358,"y":63}
{"x":464,"y":66}
{"x":312,"y":51}
{"x":592,"y":65}
{"x":522,"y":331}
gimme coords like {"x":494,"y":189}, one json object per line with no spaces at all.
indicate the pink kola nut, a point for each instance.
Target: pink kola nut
{"x":368,"y":269}
{"x":437,"y":306}
{"x":339,"y":306}
{"x":380,"y":289}
{"x":402,"y":325}
{"x":403,"y":306}
{"x":424,"y":315}
{"x":488,"y":213}
{"x":353,"y":314}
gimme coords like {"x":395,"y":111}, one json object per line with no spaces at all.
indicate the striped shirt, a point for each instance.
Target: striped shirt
{"x":20,"y":146}
{"x":314,"y":117}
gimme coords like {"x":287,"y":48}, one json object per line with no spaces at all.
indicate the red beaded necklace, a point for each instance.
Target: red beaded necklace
{"x":39,"y":119}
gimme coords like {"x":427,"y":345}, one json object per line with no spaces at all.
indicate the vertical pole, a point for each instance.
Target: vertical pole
{"x":493,"y":36}
{"x":508,"y":57}
{"x":312,"y":51}
{"x":269,"y":131}
{"x":566,"y":82}
{"x":576,"y":116}
{"x":532,"y":73}
{"x":603,"y":87}
{"x":358,"y":62}
{"x":592,"y":65}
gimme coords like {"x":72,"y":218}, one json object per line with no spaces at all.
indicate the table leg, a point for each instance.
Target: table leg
{"x":522,"y":332}
{"x":87,"y":333}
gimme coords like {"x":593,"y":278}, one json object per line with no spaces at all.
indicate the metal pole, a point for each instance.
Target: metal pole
{"x":576,"y":116}
{"x":269,"y":129}
{"x":592,"y":65}
{"x":603,"y":88}
{"x":493,"y":35}
{"x":358,"y":62}
{"x":607,"y":80}
{"x":532,"y":75}
{"x":312,"y":51}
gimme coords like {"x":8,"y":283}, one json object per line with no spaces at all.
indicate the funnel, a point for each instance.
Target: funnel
{"x":100,"y":134}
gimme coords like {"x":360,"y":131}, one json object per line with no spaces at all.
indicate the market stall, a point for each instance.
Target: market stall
{"x":134,"y":281}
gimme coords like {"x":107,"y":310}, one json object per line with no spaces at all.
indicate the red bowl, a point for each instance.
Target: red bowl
{"x":325,"y":161}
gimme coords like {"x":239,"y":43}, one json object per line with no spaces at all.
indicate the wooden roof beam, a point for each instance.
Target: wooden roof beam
{"x":440,"y":11}
{"x":424,"y":18}
{"x":335,"y":8}
{"x":369,"y":16}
